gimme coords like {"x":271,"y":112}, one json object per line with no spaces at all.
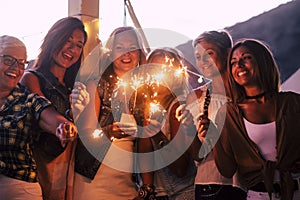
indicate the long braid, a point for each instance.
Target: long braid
{"x":207,"y":99}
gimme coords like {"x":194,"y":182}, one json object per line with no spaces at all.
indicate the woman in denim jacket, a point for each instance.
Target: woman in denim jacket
{"x":169,"y":171}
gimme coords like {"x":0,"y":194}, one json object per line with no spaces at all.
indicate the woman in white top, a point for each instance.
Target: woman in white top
{"x":211,"y":50}
{"x":259,"y":139}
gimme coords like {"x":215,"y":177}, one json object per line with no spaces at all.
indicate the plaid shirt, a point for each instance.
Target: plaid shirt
{"x":18,"y":116}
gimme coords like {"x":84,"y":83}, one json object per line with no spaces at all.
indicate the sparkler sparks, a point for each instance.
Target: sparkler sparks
{"x":154,"y":75}
{"x":157,"y":112}
{"x":142,"y":87}
{"x":98,"y":133}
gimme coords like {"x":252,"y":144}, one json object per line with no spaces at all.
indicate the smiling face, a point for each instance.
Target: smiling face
{"x":71,"y":51}
{"x":208,"y":59}
{"x":10,"y":75}
{"x":125,"y":53}
{"x":243,"y":65}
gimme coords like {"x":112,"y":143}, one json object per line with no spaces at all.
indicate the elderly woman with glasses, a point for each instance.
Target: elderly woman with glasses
{"x":20,"y":112}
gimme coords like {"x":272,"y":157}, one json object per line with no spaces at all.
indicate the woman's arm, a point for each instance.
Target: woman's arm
{"x":224,"y":156}
{"x":87,"y":116}
{"x":52,"y":122}
{"x":180,"y":165}
{"x":31,"y":81}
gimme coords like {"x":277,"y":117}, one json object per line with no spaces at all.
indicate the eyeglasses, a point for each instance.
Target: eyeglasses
{"x":11,"y":61}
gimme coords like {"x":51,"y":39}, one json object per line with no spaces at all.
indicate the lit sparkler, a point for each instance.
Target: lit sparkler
{"x":157,"y":112}
{"x":98,"y":133}
{"x":152,"y":76}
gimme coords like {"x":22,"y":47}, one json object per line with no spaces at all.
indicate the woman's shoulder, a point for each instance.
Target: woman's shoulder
{"x":29,"y":75}
{"x":288,"y":98}
{"x":288,"y":94}
{"x":24,"y":93}
{"x":194,"y":95}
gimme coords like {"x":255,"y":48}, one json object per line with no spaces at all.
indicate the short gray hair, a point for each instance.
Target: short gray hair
{"x":10,"y":41}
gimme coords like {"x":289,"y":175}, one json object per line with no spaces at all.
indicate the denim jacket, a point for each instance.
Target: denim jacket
{"x":165,"y":181}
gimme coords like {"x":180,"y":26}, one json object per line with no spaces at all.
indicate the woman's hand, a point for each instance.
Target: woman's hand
{"x":119,"y":130}
{"x":184,"y":116}
{"x":79,"y":99}
{"x":66,"y":131}
{"x":152,"y":128}
{"x":203,"y":124}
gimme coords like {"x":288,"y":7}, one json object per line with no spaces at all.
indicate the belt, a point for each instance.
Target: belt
{"x":260,"y":187}
{"x":162,"y":198}
{"x":210,"y":188}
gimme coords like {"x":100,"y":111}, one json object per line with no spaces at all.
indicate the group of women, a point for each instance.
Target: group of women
{"x":232,"y":138}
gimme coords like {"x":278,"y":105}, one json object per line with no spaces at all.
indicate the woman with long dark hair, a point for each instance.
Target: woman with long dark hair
{"x":53,"y":77}
{"x":259,"y":139}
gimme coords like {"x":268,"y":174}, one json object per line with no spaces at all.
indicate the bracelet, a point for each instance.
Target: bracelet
{"x":147,"y":192}
{"x":112,"y":138}
{"x":98,"y":133}
{"x":68,"y":115}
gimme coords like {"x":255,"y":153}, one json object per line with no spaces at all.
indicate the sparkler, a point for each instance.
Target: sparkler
{"x":146,"y":81}
{"x":123,"y":84}
{"x":157,"y":112}
{"x":98,"y":133}
{"x":136,"y":82}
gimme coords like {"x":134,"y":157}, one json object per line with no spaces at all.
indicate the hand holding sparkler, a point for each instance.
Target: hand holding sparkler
{"x":155,"y":120}
{"x":66,"y":132}
{"x":184,"y":116}
{"x":152,"y":128}
{"x":117,"y":130}
{"x":203,"y":124}
{"x":120,"y":130}
{"x":157,"y":112}
{"x":203,"y":120}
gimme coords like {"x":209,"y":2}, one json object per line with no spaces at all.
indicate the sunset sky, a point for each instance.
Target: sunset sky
{"x":30,"y":20}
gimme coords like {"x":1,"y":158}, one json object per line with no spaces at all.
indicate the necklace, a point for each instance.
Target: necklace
{"x":256,"y":96}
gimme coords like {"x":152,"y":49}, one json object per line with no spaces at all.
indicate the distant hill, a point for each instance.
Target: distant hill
{"x":279,"y":28}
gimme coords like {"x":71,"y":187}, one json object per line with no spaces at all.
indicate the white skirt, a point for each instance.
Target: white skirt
{"x":14,"y":189}
{"x":113,"y":182}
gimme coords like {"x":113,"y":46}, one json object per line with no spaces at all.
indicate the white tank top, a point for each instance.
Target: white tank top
{"x":264,"y":136}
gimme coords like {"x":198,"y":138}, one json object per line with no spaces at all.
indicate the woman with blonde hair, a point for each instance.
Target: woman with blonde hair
{"x":101,"y":173}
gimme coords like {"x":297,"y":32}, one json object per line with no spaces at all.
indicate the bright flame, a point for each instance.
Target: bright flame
{"x":97,"y":133}
{"x":122,"y":83}
{"x":136,"y":82}
{"x":178,"y":72}
{"x":158,"y":77}
{"x":154,"y":107}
